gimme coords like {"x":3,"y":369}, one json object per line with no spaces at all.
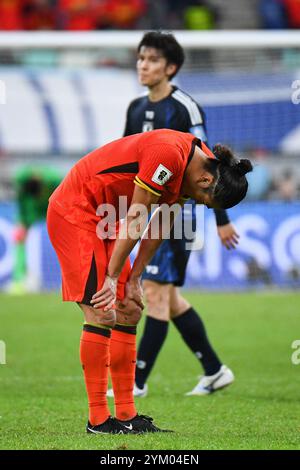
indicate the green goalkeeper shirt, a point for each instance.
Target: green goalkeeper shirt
{"x":34,"y":185}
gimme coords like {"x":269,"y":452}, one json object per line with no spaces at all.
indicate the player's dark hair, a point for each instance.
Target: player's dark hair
{"x":167,"y":44}
{"x":231,"y":183}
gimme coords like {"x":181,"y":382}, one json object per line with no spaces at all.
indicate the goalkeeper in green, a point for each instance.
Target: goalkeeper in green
{"x":33,"y":187}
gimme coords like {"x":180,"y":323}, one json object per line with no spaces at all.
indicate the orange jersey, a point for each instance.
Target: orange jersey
{"x":154,"y":160}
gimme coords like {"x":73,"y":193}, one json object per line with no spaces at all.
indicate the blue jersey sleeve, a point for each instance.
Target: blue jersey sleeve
{"x":199,"y":131}
{"x":197,"y":124}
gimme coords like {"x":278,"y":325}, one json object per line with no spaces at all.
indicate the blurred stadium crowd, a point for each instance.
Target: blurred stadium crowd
{"x":144,"y":14}
{"x":263,"y":185}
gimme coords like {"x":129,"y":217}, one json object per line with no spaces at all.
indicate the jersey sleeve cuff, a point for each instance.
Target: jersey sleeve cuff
{"x":146,"y":186}
{"x":222,"y":217}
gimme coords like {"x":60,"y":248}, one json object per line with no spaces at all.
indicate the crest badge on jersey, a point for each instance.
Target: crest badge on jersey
{"x":150,"y":114}
{"x":148,"y":126}
{"x":161,"y":175}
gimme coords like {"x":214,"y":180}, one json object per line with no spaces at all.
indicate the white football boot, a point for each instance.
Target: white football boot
{"x":210,"y":383}
{"x":137,"y":392}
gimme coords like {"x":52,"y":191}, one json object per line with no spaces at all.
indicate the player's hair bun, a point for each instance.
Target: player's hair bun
{"x":243,"y":166}
{"x":226,"y":158}
{"x":224,"y":155}
{"x":232,"y":185}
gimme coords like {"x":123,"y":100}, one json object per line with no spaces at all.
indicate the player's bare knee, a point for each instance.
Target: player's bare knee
{"x":108,"y":319}
{"x":99,"y":316}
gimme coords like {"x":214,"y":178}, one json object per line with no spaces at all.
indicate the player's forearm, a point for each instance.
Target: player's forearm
{"x":127,"y":239}
{"x":222,"y":217}
{"x":132,"y":229}
{"x":121,"y":251}
{"x":158,"y":230}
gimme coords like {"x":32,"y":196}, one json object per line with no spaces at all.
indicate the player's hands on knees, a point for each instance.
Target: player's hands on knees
{"x":229,"y":236}
{"x":129,"y":310}
{"x":134,"y":291}
{"x":105,"y":298}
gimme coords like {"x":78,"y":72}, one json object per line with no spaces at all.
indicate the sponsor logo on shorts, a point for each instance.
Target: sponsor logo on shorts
{"x":152,"y":269}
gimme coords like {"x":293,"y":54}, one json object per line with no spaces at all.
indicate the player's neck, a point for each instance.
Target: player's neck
{"x":195,"y":166}
{"x":160,"y":91}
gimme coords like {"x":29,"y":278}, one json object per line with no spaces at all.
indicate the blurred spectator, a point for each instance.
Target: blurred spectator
{"x":119,"y":14}
{"x":10,"y":15}
{"x":260,"y":178}
{"x":273,"y":14}
{"x":75,"y":15}
{"x":144,"y":14}
{"x":38,"y":14}
{"x":286,"y":186}
{"x":160,"y":15}
{"x":175,"y":13}
{"x":27,"y":14}
{"x":199,"y":16}
{"x":293,"y":13}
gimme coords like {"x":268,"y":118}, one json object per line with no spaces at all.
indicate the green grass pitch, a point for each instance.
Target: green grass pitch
{"x":42,"y":395}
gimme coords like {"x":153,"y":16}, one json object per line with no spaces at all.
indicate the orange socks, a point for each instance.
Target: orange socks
{"x":95,"y":348}
{"x":122,"y":370}
{"x":94,"y":357}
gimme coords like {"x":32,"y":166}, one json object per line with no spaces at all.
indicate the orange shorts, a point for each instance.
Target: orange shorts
{"x":83,"y":259}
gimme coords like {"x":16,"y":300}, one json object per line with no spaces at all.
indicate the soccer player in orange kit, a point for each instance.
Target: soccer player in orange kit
{"x":161,"y":167}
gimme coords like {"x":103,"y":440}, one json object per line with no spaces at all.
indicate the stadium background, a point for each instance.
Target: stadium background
{"x":64,"y":98}
{"x":64,"y":93}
